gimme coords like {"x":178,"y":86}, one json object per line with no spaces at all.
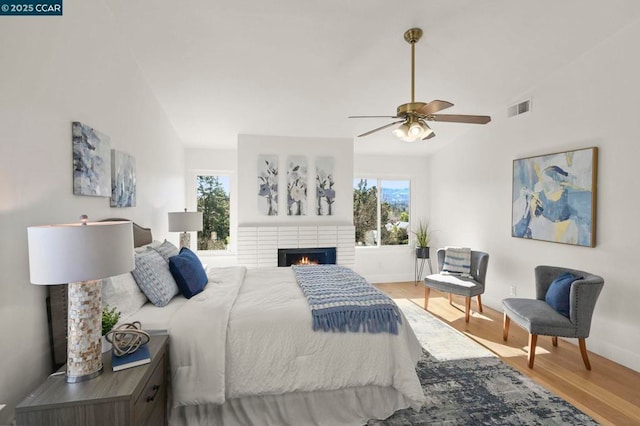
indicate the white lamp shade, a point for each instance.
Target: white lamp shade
{"x":60,"y":254}
{"x":185,"y":221}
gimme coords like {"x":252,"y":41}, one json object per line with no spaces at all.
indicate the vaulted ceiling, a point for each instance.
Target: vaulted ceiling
{"x":299,"y":68}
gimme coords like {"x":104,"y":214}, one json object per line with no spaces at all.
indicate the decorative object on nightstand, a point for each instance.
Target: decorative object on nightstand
{"x":139,"y":357}
{"x":423,"y":237}
{"x":80,"y":254}
{"x":127,"y":338}
{"x":110,"y":317}
{"x":185,"y":222}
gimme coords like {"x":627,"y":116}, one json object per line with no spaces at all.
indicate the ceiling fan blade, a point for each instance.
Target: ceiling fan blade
{"x":380,"y":128}
{"x":454,"y":118}
{"x":434,"y":106}
{"x":374,"y":116}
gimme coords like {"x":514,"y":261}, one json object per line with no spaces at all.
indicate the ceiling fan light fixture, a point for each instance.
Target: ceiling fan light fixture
{"x":402,"y":131}
{"x":427,"y":132}
{"x":416,"y":129}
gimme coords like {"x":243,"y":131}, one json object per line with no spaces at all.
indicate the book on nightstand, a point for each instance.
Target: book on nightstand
{"x":140,"y":357}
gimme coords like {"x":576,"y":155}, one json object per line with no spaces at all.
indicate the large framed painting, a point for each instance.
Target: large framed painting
{"x":123,"y":179}
{"x":297,"y":185}
{"x":91,"y":161}
{"x":325,"y":192}
{"x":554,"y":197}
{"x":268,"y":184}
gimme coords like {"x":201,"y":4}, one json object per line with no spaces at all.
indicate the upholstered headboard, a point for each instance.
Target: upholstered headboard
{"x":57,"y":302}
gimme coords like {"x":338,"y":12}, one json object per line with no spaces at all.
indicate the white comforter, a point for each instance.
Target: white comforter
{"x":249,"y":333}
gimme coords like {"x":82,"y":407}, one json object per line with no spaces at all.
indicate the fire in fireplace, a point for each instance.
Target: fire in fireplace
{"x":307,"y":256}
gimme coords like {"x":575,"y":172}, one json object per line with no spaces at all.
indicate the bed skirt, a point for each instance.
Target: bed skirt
{"x":342,"y":407}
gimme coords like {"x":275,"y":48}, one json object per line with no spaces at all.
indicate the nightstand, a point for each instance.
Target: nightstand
{"x":135,"y":396}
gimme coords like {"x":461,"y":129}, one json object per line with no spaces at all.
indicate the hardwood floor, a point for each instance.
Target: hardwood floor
{"x":610,"y":392}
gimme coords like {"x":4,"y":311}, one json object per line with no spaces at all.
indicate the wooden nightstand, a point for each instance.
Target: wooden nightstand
{"x":135,"y":396}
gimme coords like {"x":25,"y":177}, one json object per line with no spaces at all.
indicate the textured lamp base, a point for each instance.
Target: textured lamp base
{"x":84,"y":348}
{"x":185,"y":240}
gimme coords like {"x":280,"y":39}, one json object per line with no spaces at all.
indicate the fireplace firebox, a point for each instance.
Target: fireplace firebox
{"x":307,"y":256}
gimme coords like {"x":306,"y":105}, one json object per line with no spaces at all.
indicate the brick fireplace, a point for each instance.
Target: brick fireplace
{"x":258,"y":245}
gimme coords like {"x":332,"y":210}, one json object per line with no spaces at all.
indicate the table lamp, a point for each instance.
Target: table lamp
{"x":185,"y":222}
{"x":81,"y":254}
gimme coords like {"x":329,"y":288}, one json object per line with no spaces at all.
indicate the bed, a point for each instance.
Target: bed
{"x":243,"y":352}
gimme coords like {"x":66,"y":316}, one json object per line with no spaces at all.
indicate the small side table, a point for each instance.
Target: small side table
{"x":419,"y":269}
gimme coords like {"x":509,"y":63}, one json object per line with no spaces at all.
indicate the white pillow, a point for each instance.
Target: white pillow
{"x":123,"y":293}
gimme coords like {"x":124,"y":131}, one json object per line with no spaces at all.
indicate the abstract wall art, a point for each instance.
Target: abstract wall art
{"x":554,"y":197}
{"x":296,"y":185}
{"x":325,"y":193}
{"x":91,"y":161}
{"x":123,"y":179}
{"x":268,"y":184}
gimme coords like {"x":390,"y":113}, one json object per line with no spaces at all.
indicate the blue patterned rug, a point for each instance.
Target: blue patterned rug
{"x":465,"y":384}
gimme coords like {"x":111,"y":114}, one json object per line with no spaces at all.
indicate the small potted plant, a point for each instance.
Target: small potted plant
{"x":110,"y":318}
{"x":423,"y":237}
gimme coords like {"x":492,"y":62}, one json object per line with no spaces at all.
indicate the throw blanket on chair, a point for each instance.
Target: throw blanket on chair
{"x":341,"y":300}
{"x":457,"y":261}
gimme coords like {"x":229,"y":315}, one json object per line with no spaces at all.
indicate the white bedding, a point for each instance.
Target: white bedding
{"x":250,"y":333}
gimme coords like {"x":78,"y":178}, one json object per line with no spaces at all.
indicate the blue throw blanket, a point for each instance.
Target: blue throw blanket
{"x":342,"y":300}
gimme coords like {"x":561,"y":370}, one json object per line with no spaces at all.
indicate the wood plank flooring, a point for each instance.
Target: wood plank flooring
{"x":610,"y":392}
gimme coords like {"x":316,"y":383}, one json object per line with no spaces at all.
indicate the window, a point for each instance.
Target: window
{"x":381,"y":211}
{"x":213,"y":201}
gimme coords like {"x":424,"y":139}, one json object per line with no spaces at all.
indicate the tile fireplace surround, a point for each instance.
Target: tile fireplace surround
{"x":258,"y":245}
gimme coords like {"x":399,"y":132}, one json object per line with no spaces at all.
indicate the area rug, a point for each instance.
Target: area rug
{"x":466,"y":384}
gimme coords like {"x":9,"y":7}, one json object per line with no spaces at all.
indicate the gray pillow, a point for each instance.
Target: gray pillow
{"x":166,"y":250}
{"x":154,"y":278}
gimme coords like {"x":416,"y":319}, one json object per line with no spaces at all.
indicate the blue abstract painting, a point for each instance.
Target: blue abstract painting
{"x":325,"y":192}
{"x":91,"y":161}
{"x":123,"y":179}
{"x":554,"y":197}
{"x":268,"y":184}
{"x":297,"y":185}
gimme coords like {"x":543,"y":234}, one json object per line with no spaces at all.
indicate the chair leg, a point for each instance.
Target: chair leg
{"x":467,"y":308}
{"x":583,"y":352}
{"x":533,"y":340}
{"x":505,"y":327}
{"x":451,"y":299}
{"x":479,"y":304}
{"x":426,"y":297}
{"x":554,"y":340}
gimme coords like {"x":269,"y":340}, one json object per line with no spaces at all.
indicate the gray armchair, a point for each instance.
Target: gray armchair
{"x":452,"y":284}
{"x":538,"y":318}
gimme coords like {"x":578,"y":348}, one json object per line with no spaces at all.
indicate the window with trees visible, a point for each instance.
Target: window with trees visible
{"x":381,"y":211}
{"x":213,"y":201}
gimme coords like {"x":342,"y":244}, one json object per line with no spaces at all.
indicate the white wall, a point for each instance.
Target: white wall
{"x":591,"y":102}
{"x":250,"y":146}
{"x":56,"y":70}
{"x":394,"y":263}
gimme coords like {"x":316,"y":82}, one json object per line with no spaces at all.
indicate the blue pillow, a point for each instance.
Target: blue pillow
{"x":188,"y":272}
{"x":558,"y":293}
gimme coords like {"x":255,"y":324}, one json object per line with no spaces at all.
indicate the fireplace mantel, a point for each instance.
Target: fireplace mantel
{"x":258,"y":245}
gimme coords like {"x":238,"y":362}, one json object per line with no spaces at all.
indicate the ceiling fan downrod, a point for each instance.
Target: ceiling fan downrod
{"x":412,"y":36}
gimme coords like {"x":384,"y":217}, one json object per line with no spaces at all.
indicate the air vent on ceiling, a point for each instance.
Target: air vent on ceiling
{"x":519,"y":108}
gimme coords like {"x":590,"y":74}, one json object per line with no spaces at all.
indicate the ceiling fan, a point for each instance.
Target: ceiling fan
{"x":414,"y":115}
